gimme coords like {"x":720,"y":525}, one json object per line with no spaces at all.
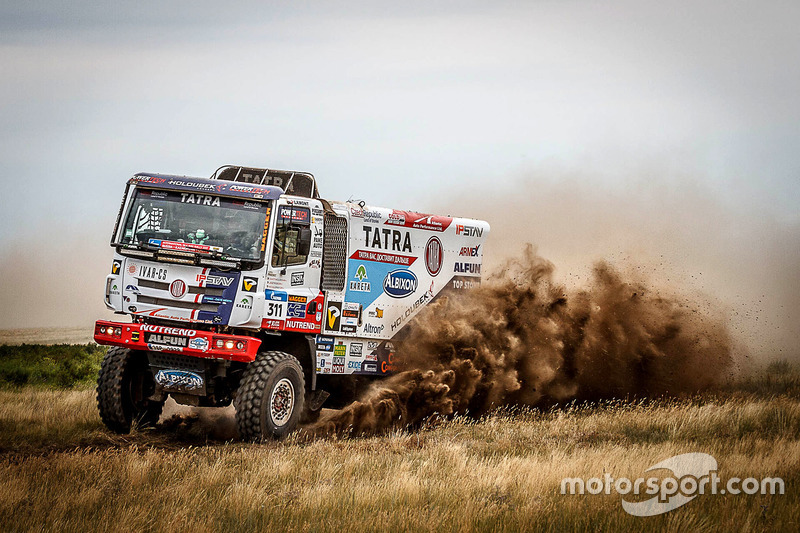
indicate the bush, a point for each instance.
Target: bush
{"x":60,"y":365}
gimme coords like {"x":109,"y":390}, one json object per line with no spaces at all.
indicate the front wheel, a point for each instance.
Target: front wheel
{"x":270,"y":397}
{"x":124,"y":388}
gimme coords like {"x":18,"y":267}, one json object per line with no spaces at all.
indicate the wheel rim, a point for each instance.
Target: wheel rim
{"x":281,"y":402}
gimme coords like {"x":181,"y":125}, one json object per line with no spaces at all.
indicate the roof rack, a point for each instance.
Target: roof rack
{"x":292,"y":182}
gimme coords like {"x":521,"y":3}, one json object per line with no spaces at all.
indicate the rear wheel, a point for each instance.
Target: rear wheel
{"x":270,"y":397}
{"x":124,"y":386}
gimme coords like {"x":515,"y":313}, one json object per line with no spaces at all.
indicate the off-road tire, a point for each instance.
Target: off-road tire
{"x":123,"y":385}
{"x":270,"y":374}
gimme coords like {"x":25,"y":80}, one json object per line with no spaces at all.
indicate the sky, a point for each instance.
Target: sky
{"x":415,"y":105}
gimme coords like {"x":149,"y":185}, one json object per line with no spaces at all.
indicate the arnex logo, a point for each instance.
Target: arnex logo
{"x":469,"y":251}
{"x":400,"y":283}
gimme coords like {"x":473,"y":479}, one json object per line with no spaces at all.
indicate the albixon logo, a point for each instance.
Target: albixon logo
{"x":399,"y":283}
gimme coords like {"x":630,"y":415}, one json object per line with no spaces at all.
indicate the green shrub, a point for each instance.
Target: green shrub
{"x":60,"y":365}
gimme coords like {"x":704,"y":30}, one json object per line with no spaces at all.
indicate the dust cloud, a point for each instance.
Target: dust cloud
{"x":674,"y":230}
{"x":663,"y":287}
{"x":524,"y":339}
{"x":215,"y":423}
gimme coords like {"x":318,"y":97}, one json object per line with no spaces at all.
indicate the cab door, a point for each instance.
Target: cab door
{"x":293,"y":298}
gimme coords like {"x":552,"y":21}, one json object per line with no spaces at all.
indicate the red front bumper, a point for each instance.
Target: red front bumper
{"x":194,"y":342}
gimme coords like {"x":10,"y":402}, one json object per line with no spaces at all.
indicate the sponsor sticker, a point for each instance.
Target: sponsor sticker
{"x":199,"y":343}
{"x":200,"y":199}
{"x":276,"y":296}
{"x":434,"y":255}
{"x":132,"y":289}
{"x":387,"y":239}
{"x":468,"y":231}
{"x":305,"y":326}
{"x":419,"y":221}
{"x":168,"y":330}
{"x":166,"y":340}
{"x":360,"y":284}
{"x":204,"y":279}
{"x":468,"y":269}
{"x":400,"y":283}
{"x":324,"y":344}
{"x":383,"y":257}
{"x":249,"y":284}
{"x":179,"y":379}
{"x":150,"y":272}
{"x":470,"y":251}
{"x":296,"y":310}
{"x":333,"y":316}
{"x":373,"y":329}
{"x":177,"y":288}
{"x":295,"y":214}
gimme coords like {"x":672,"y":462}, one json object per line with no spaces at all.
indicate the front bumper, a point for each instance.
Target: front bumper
{"x":198,"y":343}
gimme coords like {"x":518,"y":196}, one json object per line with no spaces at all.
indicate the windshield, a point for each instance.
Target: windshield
{"x":196,"y":222}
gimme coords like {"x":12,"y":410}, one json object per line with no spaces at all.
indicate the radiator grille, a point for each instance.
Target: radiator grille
{"x":176,"y":361}
{"x":166,"y":302}
{"x":334,"y":253}
{"x":162,"y":286}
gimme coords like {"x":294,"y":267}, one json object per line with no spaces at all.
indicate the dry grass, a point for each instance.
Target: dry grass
{"x":60,"y":470}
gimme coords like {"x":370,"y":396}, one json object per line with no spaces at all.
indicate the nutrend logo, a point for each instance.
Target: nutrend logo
{"x":693,"y":474}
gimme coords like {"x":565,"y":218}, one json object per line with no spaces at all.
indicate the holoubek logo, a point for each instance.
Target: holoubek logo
{"x":693,"y":474}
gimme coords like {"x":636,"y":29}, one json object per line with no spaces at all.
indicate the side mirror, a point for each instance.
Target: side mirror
{"x":304,"y":242}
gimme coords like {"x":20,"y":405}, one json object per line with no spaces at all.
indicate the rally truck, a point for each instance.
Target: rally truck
{"x":248,"y":287}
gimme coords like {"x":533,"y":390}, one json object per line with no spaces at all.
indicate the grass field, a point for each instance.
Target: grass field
{"x":61,"y":470}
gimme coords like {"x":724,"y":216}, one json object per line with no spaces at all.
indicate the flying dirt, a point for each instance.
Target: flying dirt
{"x":522,"y":339}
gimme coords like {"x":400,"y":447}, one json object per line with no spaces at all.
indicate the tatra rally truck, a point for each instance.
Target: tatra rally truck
{"x":248,"y":287}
